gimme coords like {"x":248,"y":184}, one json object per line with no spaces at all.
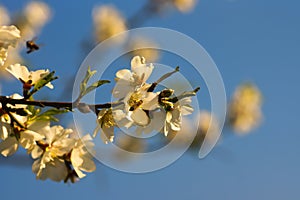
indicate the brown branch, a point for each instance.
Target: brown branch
{"x":67,"y":105}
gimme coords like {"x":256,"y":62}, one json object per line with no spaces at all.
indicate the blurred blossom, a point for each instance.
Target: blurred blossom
{"x":129,"y":145}
{"x":9,"y":36}
{"x":245,"y":108}
{"x":107,"y":22}
{"x":34,"y":16}
{"x":12,"y":58}
{"x":184,"y":5}
{"x":138,"y":45}
{"x":206,"y":121}
{"x":4,"y":16}
{"x":183,"y":135}
{"x":37,"y":13}
{"x":208,"y":129}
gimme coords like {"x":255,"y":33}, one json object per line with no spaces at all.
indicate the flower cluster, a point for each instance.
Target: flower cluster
{"x":140,"y":106}
{"x":58,"y":154}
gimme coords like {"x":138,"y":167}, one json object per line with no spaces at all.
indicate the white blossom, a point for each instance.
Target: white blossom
{"x":173,"y":119}
{"x":49,"y":153}
{"x":30,"y":77}
{"x":105,"y":125}
{"x":80,"y":158}
{"x":9,"y":36}
{"x":129,"y":80}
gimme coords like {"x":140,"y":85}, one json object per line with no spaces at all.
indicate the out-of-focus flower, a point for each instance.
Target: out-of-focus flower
{"x":107,"y":22}
{"x":28,"y":77}
{"x":174,"y":115}
{"x":184,"y":5}
{"x":105,"y":124}
{"x":80,"y":158}
{"x":9,"y":35}
{"x":245,"y":108}
{"x":4,"y":16}
{"x":130,"y":146}
{"x":140,"y":47}
{"x":128,"y":80}
{"x":37,"y":13}
{"x":50,"y":152}
{"x":33,"y":18}
{"x":208,"y":129}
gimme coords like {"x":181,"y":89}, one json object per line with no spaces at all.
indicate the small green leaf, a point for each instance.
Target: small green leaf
{"x":95,"y":86}
{"x":49,"y":114}
{"x":42,"y":82}
{"x":87,"y":77}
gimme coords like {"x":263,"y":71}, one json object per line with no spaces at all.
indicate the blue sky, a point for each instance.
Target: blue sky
{"x":249,"y":40}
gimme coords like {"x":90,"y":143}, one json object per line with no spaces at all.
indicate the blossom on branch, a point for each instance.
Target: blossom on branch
{"x":28,"y":78}
{"x":129,"y":80}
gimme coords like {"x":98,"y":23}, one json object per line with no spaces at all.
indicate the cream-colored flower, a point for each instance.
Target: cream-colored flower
{"x":29,"y":77}
{"x":3,"y":56}
{"x":49,"y":153}
{"x":55,"y":170}
{"x":139,"y":47}
{"x":25,"y":138}
{"x":4,"y":16}
{"x":184,"y":5}
{"x":105,"y":124}
{"x":129,"y":80}
{"x":108,"y":22}
{"x":137,"y":104}
{"x":173,"y":118}
{"x":156,"y":124}
{"x":9,"y":36}
{"x":80,"y":158}
{"x":245,"y":108}
{"x":6,"y":128}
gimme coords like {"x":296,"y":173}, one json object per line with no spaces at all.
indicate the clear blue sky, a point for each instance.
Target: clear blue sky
{"x":249,"y":40}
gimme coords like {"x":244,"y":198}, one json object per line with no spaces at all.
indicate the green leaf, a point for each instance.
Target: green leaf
{"x":95,"y":86}
{"x":49,"y":114}
{"x":42,"y":82}
{"x":87,"y":77}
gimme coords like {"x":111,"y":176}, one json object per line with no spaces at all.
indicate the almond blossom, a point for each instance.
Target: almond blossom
{"x":28,"y":77}
{"x":9,"y":36}
{"x":128,"y":80}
